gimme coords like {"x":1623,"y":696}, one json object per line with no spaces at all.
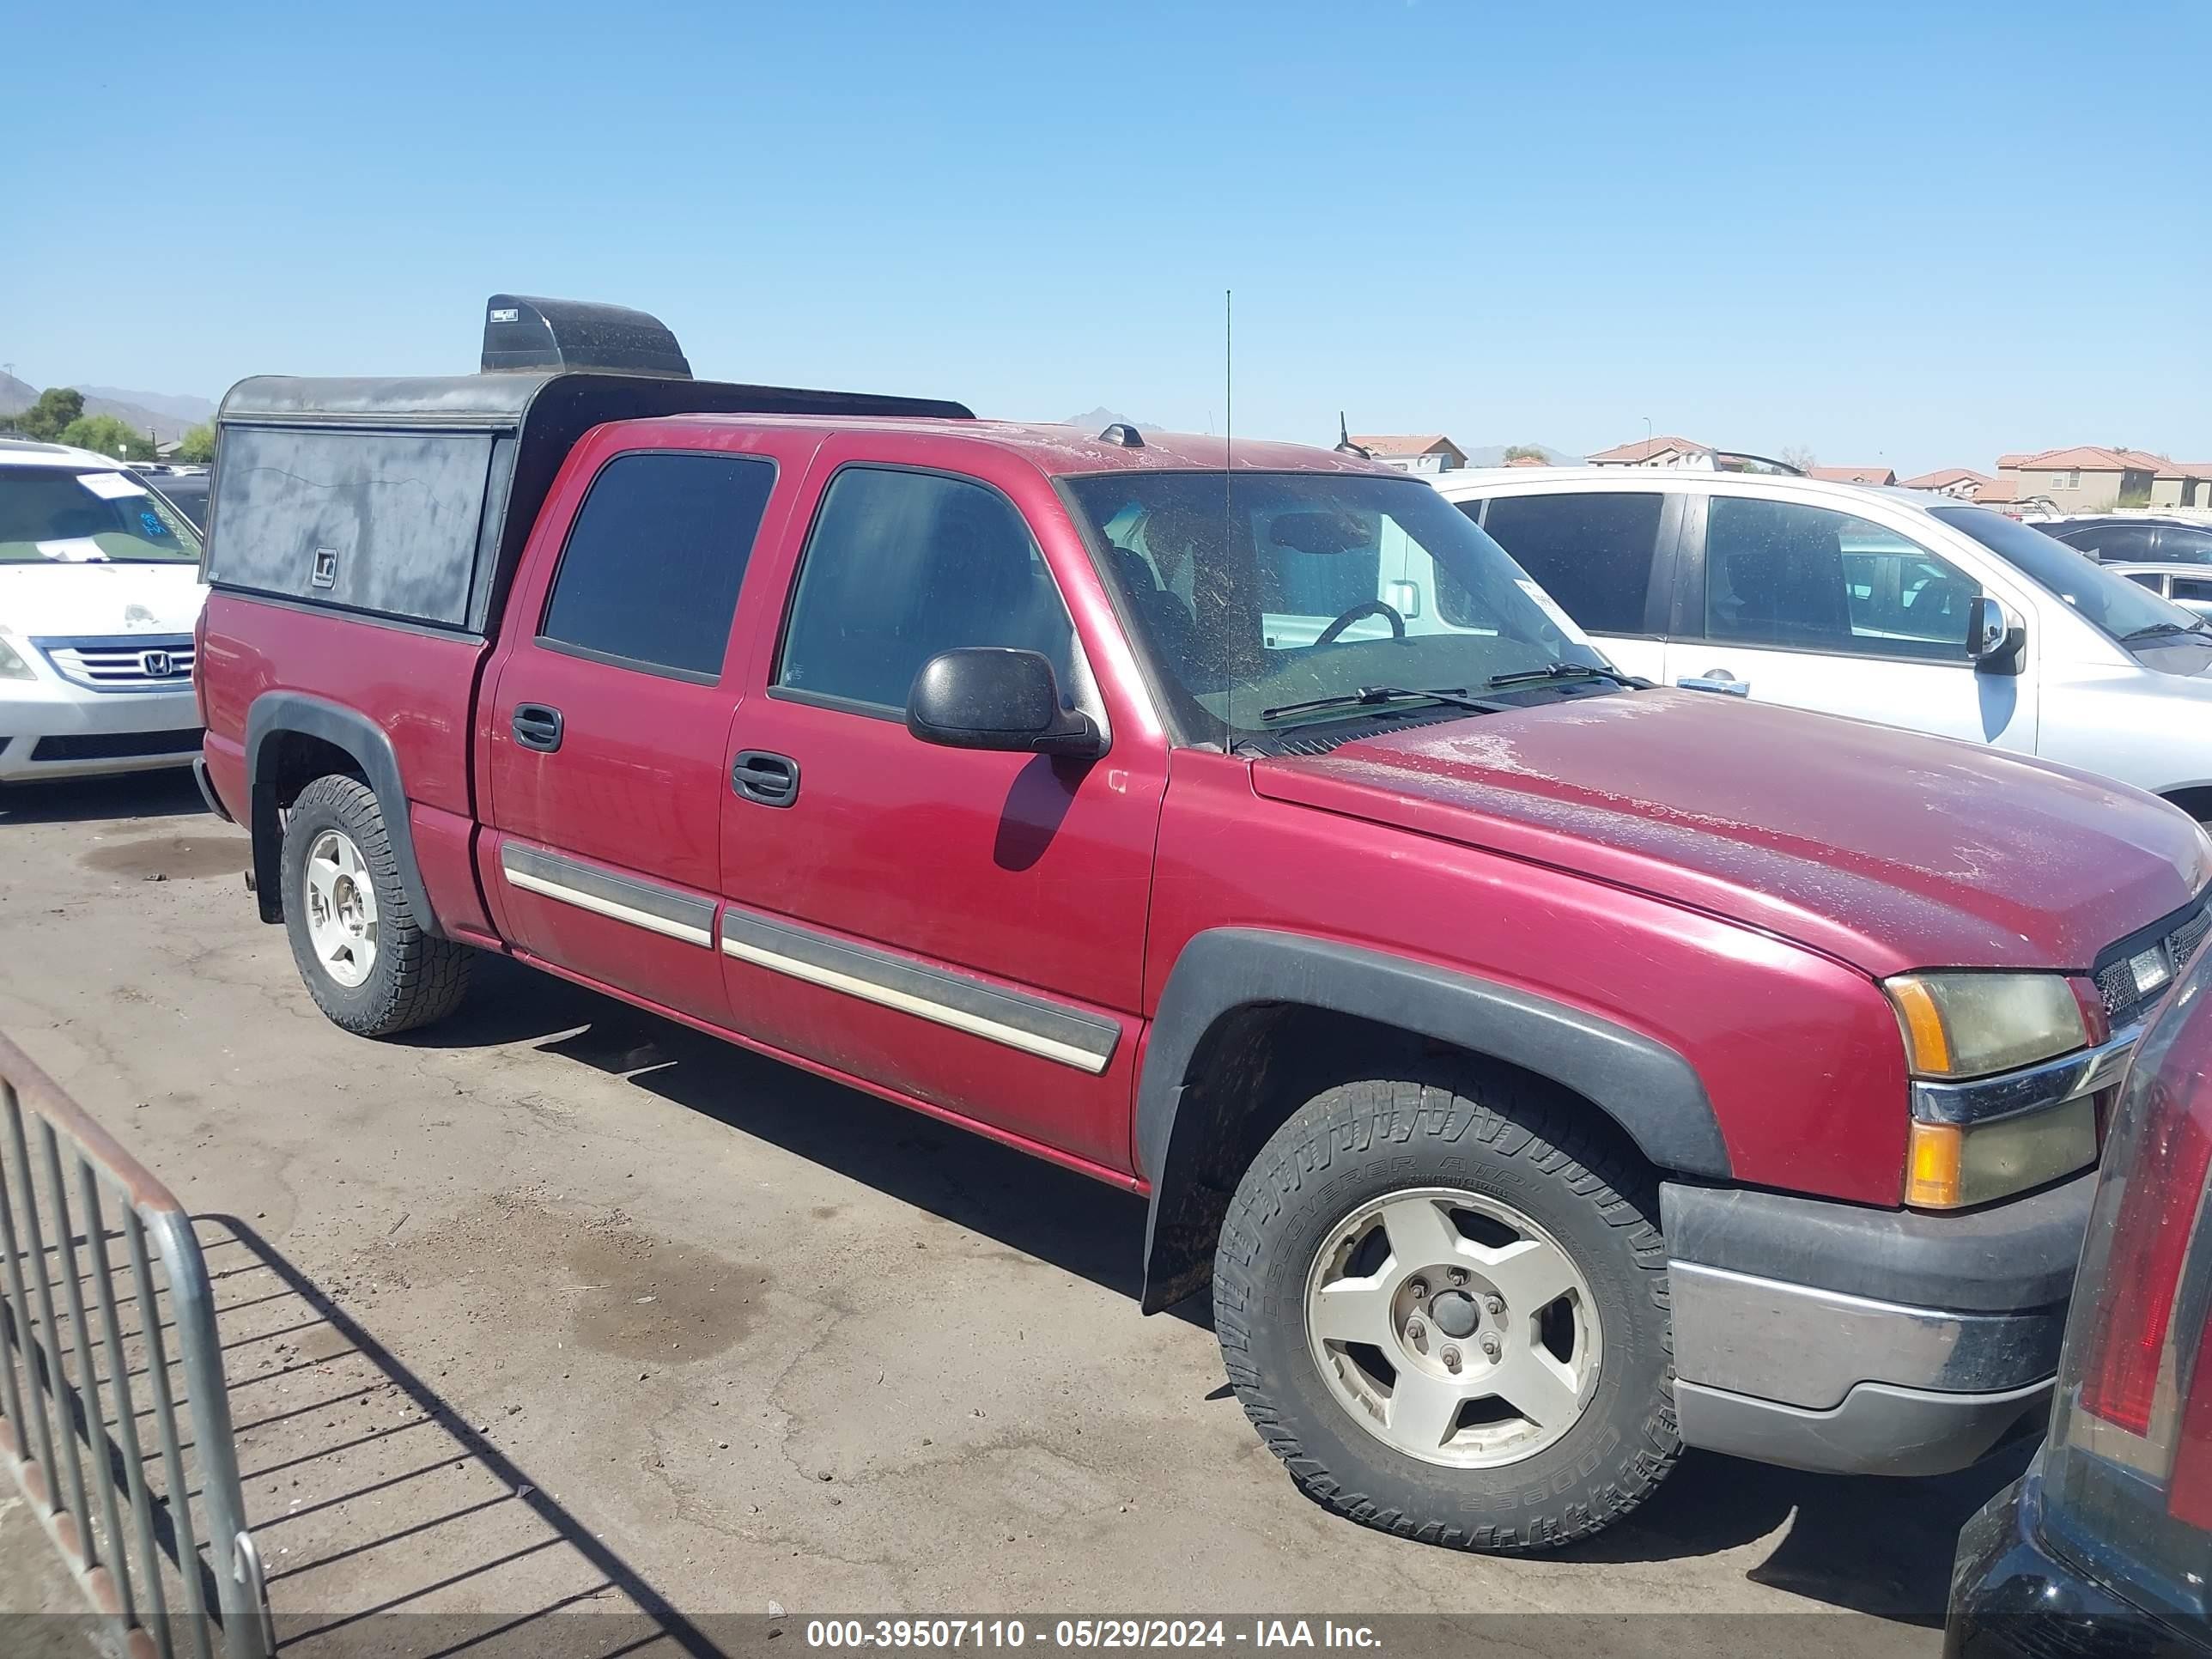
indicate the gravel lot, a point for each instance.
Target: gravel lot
{"x":561,"y":1306}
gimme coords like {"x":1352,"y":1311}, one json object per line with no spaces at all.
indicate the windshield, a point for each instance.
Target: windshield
{"x":50,"y":515}
{"x":2127,"y":611}
{"x":1255,"y":592}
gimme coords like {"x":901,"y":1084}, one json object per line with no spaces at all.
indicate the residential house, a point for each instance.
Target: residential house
{"x":1959,"y":483}
{"x":1528,"y":460}
{"x":2091,"y":478}
{"x":1656,"y":451}
{"x":1862,"y":475}
{"x":1425,"y":452}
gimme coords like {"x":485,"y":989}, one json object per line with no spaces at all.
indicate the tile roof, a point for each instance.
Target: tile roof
{"x":1944,"y":476}
{"x":1644,"y":448}
{"x":2089,"y":457}
{"x":1865,"y":475}
{"x":1423,"y":443}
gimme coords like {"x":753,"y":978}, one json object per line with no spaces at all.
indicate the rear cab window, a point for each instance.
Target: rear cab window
{"x":89,"y":515}
{"x":649,"y":575}
{"x":1592,"y":552}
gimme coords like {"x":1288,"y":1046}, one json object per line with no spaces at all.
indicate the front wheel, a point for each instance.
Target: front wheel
{"x":360,"y":947}
{"x":1444,"y":1305}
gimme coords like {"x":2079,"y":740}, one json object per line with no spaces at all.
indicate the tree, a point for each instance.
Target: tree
{"x":197,"y":444}
{"x":1526,"y":452}
{"x":1800,"y":456}
{"x":107,"y":434}
{"x":58,"y":406}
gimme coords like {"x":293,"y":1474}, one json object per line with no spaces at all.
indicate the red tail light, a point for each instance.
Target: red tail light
{"x":2150,"y":1242}
{"x":2189,"y":1497}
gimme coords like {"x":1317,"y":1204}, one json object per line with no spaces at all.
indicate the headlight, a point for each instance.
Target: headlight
{"x":1952,"y":1166}
{"x":1959,"y":1026}
{"x":12,"y":665}
{"x":1962,"y":1025}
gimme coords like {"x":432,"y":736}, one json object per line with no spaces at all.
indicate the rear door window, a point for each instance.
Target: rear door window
{"x":650,"y":576}
{"x":1591,"y":552}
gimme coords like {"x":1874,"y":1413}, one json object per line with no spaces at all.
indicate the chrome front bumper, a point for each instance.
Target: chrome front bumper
{"x":1827,"y":1336}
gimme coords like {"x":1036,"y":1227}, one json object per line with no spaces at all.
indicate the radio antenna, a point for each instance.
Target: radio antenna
{"x":1228,"y":499}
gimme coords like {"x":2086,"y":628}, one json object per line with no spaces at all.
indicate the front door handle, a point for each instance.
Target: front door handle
{"x":768,"y":779}
{"x":1716,"y":679}
{"x":538,"y":726}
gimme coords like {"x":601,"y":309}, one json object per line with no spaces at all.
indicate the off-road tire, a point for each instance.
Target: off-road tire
{"x":416,"y":978}
{"x":1493,"y":1133}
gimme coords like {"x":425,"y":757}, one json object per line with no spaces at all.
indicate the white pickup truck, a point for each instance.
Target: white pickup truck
{"x":100,"y":590}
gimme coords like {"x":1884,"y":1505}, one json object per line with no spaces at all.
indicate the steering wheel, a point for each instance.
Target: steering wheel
{"x":1372,"y":608}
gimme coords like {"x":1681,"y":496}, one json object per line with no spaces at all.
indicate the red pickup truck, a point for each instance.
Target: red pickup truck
{"x":1546,"y":1070}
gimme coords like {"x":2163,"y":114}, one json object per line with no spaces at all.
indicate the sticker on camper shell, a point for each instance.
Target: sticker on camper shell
{"x":111,"y":486}
{"x":506,"y":314}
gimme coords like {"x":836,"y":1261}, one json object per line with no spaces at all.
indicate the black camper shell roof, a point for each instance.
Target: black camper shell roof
{"x":411,"y":499}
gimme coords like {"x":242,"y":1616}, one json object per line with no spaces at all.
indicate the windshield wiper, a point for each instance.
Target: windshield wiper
{"x":1376,"y":696}
{"x":2164,"y":630}
{"x":1560,"y":671}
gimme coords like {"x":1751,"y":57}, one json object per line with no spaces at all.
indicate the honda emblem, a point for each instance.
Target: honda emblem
{"x":156,"y":665}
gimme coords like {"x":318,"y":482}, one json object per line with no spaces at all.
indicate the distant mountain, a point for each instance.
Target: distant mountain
{"x":1099,"y":419}
{"x":177,"y":406}
{"x":166,"y":414}
{"x":1494,"y":455}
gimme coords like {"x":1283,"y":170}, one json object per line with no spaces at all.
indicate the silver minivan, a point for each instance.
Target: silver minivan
{"x":1884,"y":604}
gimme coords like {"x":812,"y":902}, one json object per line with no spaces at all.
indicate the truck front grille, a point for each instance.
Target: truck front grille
{"x":141,"y":662}
{"x":2176,"y":939}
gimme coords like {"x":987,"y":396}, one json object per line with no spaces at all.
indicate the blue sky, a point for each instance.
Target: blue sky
{"x":1918,"y":234}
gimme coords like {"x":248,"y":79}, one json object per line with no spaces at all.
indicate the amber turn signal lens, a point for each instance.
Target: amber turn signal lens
{"x":1929,"y":1050}
{"x":1933,"y":1166}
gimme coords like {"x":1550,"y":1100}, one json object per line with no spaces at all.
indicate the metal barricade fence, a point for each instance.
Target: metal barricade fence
{"x":176,"y":1574}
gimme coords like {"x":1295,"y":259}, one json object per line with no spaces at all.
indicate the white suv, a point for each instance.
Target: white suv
{"x":1886,"y":604}
{"x":99,"y":591}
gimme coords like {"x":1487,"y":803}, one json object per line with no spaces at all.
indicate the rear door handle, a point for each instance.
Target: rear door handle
{"x":768,"y":779}
{"x":1717,"y":679}
{"x":538,"y":726}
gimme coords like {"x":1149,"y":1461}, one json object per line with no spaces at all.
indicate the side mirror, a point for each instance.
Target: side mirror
{"x":1993,"y":637}
{"x":989,"y":697}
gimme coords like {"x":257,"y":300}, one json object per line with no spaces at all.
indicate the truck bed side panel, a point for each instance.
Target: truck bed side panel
{"x":418,"y":685}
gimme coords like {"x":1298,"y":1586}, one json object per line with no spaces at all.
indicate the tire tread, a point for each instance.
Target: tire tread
{"x":1514,"y":1116}
{"x":429,"y":975}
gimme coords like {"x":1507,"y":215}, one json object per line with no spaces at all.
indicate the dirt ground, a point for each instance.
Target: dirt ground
{"x":560,"y":1306}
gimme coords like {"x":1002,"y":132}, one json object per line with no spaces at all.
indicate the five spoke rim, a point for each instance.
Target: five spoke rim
{"x":338,"y":897}
{"x":1471,"y":1347}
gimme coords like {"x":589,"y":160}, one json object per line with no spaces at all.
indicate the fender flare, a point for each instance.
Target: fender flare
{"x":1650,"y":1091}
{"x":275,"y":713}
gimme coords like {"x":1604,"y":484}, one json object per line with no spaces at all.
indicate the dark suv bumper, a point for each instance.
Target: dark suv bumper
{"x":2012,"y":1599}
{"x":1829,"y":1336}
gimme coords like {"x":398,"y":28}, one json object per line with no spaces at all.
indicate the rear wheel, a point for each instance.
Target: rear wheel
{"x":359,"y":946}
{"x":1444,"y":1305}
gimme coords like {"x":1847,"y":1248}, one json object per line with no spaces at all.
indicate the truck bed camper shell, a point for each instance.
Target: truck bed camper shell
{"x":409,"y":499}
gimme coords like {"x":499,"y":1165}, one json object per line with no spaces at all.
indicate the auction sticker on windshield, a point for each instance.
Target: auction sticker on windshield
{"x":111,"y":486}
